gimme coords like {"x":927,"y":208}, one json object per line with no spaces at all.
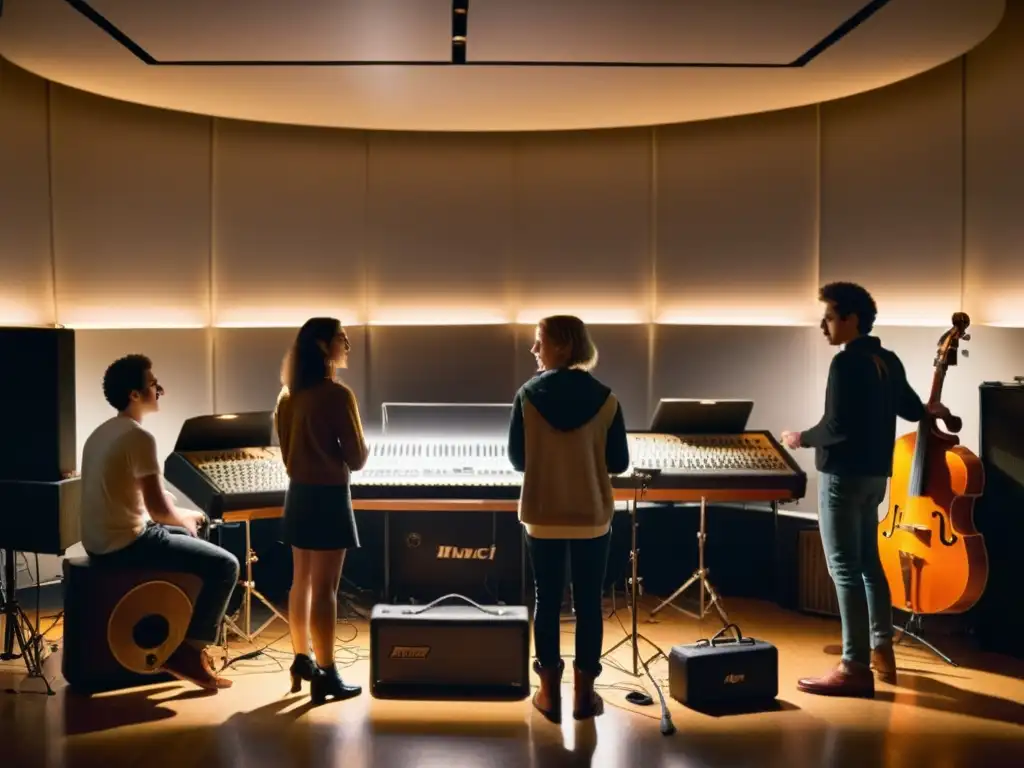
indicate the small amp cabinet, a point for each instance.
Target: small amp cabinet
{"x":724,"y":672}
{"x":467,"y":652}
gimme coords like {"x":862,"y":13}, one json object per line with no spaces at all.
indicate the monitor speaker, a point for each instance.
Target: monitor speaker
{"x":999,"y":515}
{"x":38,"y":393}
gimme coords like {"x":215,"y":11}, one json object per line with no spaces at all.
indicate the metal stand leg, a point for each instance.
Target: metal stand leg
{"x":699,"y":577}
{"x":244,"y":613}
{"x":15,"y":622}
{"x":634,"y":584}
{"x":913,"y":630}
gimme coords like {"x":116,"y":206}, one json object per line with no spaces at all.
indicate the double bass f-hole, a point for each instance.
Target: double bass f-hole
{"x":897,"y":513}
{"x":942,"y":530}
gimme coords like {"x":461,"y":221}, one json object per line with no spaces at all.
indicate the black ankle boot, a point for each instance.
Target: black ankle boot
{"x":326,"y":683}
{"x":302,"y":668}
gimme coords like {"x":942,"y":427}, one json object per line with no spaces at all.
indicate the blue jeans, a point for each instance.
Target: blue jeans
{"x":170,"y":548}
{"x":848,"y":521}
{"x":588,"y":560}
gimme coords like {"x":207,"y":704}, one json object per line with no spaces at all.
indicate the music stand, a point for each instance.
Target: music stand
{"x":688,"y":416}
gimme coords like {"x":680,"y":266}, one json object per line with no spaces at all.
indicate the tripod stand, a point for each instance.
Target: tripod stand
{"x":641,"y":478}
{"x":15,"y":624}
{"x":699,"y":577}
{"x":634,"y":581}
{"x":913,"y":630}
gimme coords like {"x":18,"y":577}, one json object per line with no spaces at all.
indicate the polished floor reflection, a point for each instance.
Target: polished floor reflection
{"x":937,"y":716}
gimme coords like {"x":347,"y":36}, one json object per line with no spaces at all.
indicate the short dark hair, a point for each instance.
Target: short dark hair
{"x":849,"y":299}
{"x":124,"y":376}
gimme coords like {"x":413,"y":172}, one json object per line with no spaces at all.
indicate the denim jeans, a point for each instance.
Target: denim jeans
{"x":170,"y":548}
{"x":588,"y":559}
{"x":848,"y":521}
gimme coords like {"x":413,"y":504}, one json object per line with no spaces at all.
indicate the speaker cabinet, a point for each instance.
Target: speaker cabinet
{"x":38,"y":393}
{"x":121,"y":625}
{"x":999,"y":516}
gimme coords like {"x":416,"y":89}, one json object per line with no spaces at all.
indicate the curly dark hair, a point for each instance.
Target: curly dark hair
{"x":849,"y":299}
{"x":306,"y":363}
{"x":124,"y":376}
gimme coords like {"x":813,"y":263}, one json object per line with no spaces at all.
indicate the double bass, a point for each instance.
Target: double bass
{"x":934,"y":558}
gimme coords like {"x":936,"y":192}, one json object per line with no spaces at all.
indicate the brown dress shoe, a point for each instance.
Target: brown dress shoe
{"x":883,"y":661}
{"x":846,"y":679}
{"x":190,"y":664}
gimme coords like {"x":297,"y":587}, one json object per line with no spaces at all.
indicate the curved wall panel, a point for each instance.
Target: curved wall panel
{"x":658,"y":237}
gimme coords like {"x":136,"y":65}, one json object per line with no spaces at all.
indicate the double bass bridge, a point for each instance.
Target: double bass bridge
{"x":920,"y":530}
{"x":909,"y":565}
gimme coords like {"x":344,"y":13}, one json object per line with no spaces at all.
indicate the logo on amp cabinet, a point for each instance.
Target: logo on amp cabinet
{"x":733,"y":678}
{"x":445,"y":552}
{"x":409,"y":651}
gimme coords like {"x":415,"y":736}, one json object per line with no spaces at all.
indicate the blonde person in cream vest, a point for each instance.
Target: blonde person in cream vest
{"x":322,"y":442}
{"x":567,"y":436}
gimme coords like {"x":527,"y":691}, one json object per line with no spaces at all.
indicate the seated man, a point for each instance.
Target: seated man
{"x":130,"y":521}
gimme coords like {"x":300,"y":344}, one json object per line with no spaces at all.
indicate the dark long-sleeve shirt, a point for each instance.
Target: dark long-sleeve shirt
{"x":867,"y":389}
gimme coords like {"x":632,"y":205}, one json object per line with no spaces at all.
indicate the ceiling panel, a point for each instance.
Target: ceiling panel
{"x":296,"y":30}
{"x":699,"y":31}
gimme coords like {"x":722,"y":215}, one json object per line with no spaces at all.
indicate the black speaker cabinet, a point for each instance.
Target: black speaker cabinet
{"x":999,"y":516}
{"x":37,"y":389}
{"x":479,"y":555}
{"x":121,"y":625}
{"x":463,"y":652}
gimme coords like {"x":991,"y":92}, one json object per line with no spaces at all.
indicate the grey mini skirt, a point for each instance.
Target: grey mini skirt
{"x":319,"y":517}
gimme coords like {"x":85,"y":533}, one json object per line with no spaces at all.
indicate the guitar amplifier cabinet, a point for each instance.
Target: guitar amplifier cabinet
{"x":468,"y":652}
{"x":724,"y":672}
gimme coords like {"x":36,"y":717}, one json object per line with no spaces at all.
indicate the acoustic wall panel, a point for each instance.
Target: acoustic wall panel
{"x":131,"y":213}
{"x":181,"y":363}
{"x":26,"y":291}
{"x":289,"y":224}
{"x":994,"y":289}
{"x":736,"y":220}
{"x":440,"y":227}
{"x":891,"y":195}
{"x":623,"y":365}
{"x":247,"y":366}
{"x":440,"y":364}
{"x":582,"y":241}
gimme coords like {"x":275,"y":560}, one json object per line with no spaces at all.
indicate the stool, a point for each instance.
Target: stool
{"x":122,"y":624}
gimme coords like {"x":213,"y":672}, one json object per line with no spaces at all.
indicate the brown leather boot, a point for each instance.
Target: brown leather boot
{"x":586,"y":702}
{"x":548,"y":699}
{"x":846,"y":679}
{"x":883,"y":661}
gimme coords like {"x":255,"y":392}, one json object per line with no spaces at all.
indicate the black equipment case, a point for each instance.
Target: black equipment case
{"x":471,"y":651}
{"x":724,"y":672}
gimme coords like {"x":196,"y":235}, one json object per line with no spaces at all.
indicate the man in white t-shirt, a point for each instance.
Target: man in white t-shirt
{"x":129,"y":520}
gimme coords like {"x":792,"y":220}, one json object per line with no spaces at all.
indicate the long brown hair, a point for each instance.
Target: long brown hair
{"x":307,"y":362}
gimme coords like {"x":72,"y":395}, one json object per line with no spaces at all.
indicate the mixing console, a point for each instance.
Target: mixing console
{"x":425,"y":468}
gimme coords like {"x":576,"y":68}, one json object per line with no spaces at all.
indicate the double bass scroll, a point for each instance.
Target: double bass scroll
{"x":933,"y":557}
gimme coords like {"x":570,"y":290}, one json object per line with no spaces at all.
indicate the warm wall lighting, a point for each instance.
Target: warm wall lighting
{"x":438,"y":316}
{"x":681,"y":318}
{"x":602,"y":316}
{"x":129,"y":325}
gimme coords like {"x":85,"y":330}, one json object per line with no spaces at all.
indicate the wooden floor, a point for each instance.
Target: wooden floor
{"x":938,"y":716}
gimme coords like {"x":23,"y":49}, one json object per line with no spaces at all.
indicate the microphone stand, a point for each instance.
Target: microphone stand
{"x":641,"y":479}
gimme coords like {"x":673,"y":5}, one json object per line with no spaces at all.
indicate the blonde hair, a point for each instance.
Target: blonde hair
{"x":570,"y":332}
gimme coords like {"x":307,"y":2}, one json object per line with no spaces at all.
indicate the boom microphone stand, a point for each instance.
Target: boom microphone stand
{"x":641,"y":478}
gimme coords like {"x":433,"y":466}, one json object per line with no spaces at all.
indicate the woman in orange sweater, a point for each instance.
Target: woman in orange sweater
{"x":322,"y":441}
